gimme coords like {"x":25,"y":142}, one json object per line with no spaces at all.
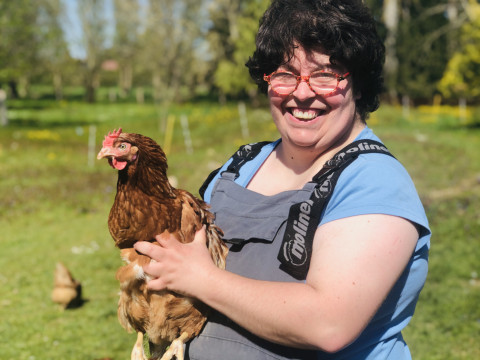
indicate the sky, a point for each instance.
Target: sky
{"x":73,"y":29}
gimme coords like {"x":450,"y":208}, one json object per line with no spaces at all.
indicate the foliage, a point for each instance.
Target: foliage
{"x":461,"y":76}
{"x":184,"y":48}
{"x":231,"y":76}
{"x":54,"y":207}
{"x":421,"y":52}
{"x":168,"y":47}
{"x":19,"y":44}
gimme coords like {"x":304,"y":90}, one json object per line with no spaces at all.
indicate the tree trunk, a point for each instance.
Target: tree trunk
{"x":23,"y":86}
{"x":125,"y":79}
{"x":157,"y":87}
{"x":58,"y":86}
{"x":390,"y":18}
{"x":13,"y":89}
{"x":91,"y":85}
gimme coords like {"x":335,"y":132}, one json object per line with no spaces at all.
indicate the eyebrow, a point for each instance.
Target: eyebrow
{"x":329,"y":67}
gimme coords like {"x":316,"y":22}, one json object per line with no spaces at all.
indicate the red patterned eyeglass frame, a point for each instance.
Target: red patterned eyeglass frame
{"x":306,"y":78}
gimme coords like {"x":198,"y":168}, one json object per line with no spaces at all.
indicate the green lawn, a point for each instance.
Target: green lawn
{"x":55,"y":198}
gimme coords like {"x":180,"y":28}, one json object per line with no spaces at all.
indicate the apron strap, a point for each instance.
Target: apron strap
{"x":244,"y":153}
{"x":303,"y":219}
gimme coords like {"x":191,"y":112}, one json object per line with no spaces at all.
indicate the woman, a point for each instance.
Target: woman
{"x":320,"y":63}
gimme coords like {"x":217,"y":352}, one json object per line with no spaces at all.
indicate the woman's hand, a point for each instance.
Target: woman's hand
{"x":175,"y":266}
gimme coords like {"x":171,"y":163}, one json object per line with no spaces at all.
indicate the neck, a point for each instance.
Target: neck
{"x":302,"y":159}
{"x":152,"y":181}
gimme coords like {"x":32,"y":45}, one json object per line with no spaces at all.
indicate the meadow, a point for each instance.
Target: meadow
{"x":55,"y":198}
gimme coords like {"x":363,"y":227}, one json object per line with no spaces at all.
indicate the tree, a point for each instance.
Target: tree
{"x":423,"y":54}
{"x":19,"y":44}
{"x":52,"y":53}
{"x":391,"y":16}
{"x":169,"y":47}
{"x":461,"y":78}
{"x":420,"y":37}
{"x":126,"y":41}
{"x":94,"y":39}
{"x":232,"y":39}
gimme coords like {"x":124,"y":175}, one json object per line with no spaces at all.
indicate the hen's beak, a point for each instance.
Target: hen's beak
{"x":105,"y":152}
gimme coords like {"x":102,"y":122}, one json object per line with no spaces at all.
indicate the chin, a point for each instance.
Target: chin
{"x":302,"y":142}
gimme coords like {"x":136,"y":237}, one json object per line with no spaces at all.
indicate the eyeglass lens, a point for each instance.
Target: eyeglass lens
{"x":320,"y":82}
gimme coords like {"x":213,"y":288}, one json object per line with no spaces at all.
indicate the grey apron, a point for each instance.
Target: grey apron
{"x":254,"y":226}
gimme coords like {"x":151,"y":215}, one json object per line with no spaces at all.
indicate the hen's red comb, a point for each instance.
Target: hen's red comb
{"x":111,"y":137}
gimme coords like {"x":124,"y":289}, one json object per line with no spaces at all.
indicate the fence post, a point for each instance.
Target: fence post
{"x":167,"y":142}
{"x":462,"y":110}
{"x":242,"y":111}
{"x":3,"y":108}
{"x":186,"y":134}
{"x":406,"y":106}
{"x":92,"y":134}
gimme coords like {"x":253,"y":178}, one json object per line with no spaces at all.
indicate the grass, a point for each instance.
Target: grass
{"x":54,"y":202}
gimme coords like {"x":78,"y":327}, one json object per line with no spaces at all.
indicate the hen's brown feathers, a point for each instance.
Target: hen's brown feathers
{"x":147,"y":205}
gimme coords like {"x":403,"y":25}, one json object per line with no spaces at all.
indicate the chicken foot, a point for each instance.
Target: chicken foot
{"x":176,"y":348}
{"x":137,"y":351}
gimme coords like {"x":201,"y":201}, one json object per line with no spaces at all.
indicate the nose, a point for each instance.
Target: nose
{"x":303,"y":90}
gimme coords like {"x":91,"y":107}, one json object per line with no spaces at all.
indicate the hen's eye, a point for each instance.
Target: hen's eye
{"x":123,"y":146}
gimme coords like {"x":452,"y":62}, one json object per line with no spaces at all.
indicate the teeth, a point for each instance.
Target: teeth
{"x":305,"y":115}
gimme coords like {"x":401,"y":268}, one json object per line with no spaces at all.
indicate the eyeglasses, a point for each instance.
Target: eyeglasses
{"x":320,"y":82}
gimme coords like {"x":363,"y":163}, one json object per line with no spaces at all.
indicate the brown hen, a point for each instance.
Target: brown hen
{"x":147,"y":205}
{"x":66,"y":290}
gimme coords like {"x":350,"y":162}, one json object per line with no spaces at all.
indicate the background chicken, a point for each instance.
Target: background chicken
{"x":66,"y":290}
{"x":147,"y":205}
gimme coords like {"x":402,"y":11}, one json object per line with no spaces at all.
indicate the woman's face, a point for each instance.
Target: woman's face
{"x":310,"y":121}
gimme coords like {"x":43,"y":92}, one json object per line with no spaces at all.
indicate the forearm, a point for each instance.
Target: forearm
{"x":271,"y":310}
{"x":350,"y":275}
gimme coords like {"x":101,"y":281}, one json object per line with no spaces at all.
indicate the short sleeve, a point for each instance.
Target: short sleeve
{"x":377,"y":184}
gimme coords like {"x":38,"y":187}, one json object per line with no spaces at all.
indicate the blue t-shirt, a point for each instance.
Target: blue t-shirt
{"x":372,"y":184}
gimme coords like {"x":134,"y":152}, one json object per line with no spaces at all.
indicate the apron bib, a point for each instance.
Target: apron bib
{"x":254,"y":228}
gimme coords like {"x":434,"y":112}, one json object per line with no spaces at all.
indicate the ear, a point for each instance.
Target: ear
{"x":134,"y":150}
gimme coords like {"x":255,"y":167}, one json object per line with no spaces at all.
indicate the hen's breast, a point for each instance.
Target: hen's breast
{"x":136,"y":216}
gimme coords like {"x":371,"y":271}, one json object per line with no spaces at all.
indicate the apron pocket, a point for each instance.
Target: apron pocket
{"x":260,"y":228}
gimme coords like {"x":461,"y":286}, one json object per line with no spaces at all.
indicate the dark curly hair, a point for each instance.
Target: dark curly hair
{"x":343,"y":29}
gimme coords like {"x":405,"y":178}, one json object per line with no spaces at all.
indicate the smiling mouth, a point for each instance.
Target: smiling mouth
{"x":307,"y":114}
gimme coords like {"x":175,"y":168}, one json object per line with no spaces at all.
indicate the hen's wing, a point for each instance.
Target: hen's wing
{"x":195,"y":214}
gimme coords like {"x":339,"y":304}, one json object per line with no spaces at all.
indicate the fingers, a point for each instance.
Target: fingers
{"x":153,"y":268}
{"x":169,"y":265}
{"x":148,"y":249}
{"x":165,"y":238}
{"x":156,"y":284}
